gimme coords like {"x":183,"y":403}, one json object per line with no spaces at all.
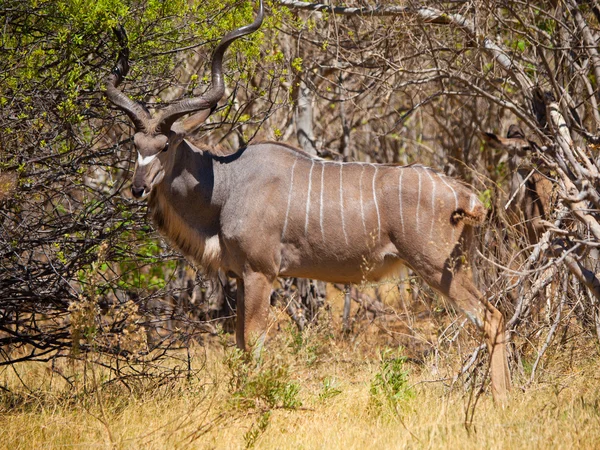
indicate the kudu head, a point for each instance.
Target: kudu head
{"x":157,"y":135}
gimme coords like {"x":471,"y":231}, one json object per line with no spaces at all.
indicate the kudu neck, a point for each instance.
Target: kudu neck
{"x":194,"y":183}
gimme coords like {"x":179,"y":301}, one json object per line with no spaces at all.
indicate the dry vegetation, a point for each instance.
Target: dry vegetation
{"x":319,"y":390}
{"x":82,"y":275}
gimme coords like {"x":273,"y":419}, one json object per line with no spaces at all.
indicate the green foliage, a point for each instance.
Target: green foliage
{"x":267,"y":389}
{"x":59,"y":45}
{"x":62,"y":172}
{"x":257,"y":429}
{"x":546,"y":23}
{"x":297,"y":64}
{"x":295,"y":339}
{"x":306,"y":344}
{"x":389,"y":387}
{"x":520,"y":45}
{"x":330,"y":389}
{"x":145,"y":269}
{"x":486,"y":198}
{"x":237,"y":364}
{"x":268,"y":386}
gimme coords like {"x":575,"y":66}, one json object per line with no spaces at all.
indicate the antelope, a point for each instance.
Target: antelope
{"x":271,"y":210}
{"x":530,"y":201}
{"x":530,"y":191}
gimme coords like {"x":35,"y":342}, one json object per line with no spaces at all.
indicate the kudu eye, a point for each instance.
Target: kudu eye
{"x":166,"y":147}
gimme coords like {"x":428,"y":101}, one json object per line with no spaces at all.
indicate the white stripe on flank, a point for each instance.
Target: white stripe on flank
{"x":321,"y":201}
{"x":342,"y":204}
{"x":455,"y":200}
{"x":400,"y":199}
{"x":362,"y":209}
{"x":287,"y":211}
{"x":144,"y":161}
{"x":376,"y":206}
{"x":312,"y":165}
{"x":432,"y":204}
{"x":418,"y":197}
{"x":472,"y":203}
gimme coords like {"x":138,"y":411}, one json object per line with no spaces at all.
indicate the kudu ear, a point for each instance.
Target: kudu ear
{"x":514,"y":145}
{"x":492,"y":139}
{"x":191,"y":124}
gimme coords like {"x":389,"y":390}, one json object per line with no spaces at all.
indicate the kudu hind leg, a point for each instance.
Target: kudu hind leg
{"x":240,"y":314}
{"x":487,"y":317}
{"x":252,"y":311}
{"x":495,"y":332}
{"x":456,"y":284}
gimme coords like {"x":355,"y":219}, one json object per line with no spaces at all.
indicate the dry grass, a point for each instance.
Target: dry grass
{"x":310,"y":392}
{"x":337,"y":411}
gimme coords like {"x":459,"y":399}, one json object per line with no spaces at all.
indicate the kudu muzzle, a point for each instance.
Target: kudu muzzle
{"x":148,"y":169}
{"x":148,"y":173}
{"x":138,"y":192}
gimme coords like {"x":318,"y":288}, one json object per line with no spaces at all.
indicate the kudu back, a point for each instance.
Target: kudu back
{"x":272,"y":210}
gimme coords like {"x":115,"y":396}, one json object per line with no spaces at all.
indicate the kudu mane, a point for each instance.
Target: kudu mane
{"x":222,"y":151}
{"x":201,"y":249}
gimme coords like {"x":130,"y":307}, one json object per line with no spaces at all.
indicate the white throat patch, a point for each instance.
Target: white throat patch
{"x":144,"y":161}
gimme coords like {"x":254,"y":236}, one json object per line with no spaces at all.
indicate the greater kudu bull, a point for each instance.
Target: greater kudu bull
{"x":271,"y":210}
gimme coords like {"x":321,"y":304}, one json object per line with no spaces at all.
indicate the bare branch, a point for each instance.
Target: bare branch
{"x":429,"y":16}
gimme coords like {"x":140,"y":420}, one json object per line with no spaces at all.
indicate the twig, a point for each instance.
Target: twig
{"x":552,"y":331}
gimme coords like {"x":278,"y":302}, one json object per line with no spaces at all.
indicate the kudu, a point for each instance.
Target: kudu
{"x":530,"y":191}
{"x":271,"y":210}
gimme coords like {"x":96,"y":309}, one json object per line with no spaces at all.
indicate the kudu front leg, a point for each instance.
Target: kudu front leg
{"x":253,"y":304}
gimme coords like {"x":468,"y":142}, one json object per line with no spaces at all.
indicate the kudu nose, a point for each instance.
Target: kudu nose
{"x":137,"y":191}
